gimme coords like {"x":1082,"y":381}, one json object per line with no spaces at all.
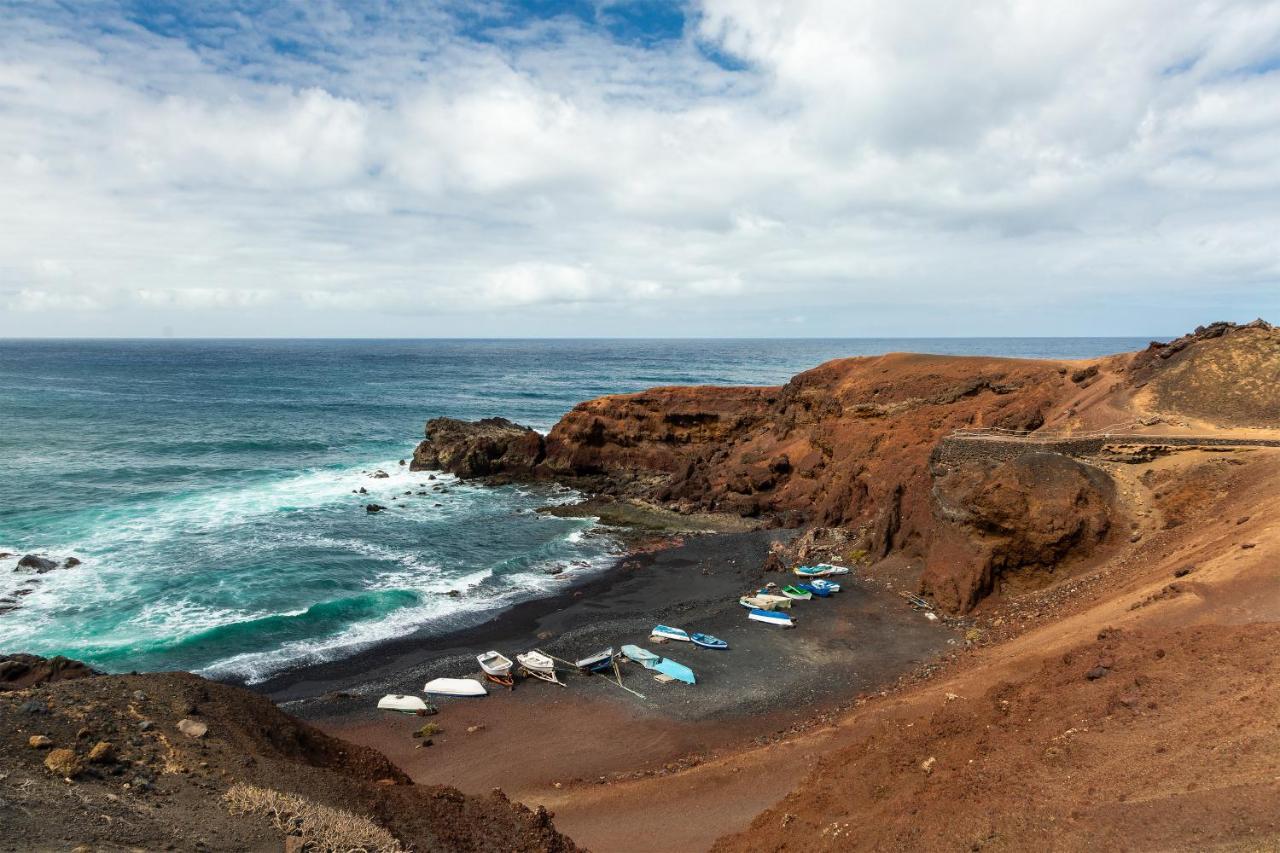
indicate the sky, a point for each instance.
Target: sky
{"x":848,"y":168}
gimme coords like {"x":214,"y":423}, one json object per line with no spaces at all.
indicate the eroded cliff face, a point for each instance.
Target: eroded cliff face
{"x":848,"y":445}
{"x":1012,"y":520}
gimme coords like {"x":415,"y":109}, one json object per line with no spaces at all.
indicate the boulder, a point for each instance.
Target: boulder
{"x":37,"y":564}
{"x":481,"y":448}
{"x":374,"y":508}
{"x":39,"y":742}
{"x":64,"y":763}
{"x":1012,"y":521}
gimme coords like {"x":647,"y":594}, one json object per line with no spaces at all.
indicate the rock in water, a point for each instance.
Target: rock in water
{"x":37,"y":564}
{"x":374,"y":508}
{"x":478,"y":449}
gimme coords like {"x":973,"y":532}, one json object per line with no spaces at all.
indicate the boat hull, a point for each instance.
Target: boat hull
{"x":454,"y":687}
{"x":769,"y":617}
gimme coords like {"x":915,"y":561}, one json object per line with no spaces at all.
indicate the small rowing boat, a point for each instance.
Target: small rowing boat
{"x":539,"y":665}
{"x":822,"y":583}
{"x":678,"y":671}
{"x":797,"y":593}
{"x":706,"y":641}
{"x":640,"y":656}
{"x":780,"y":602}
{"x":497,"y":668}
{"x":455,"y":687}
{"x":401,"y":703}
{"x":597,"y":662}
{"x":757,"y":602}
{"x":770,"y":617}
{"x":821,"y":570}
{"x":666,"y":632}
{"x":821,"y":592}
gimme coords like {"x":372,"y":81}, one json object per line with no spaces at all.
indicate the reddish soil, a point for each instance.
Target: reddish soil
{"x":158,"y":788}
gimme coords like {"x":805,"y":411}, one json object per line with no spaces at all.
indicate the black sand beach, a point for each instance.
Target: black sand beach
{"x":694,"y":584}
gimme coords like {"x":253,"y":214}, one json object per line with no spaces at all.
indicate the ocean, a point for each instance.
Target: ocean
{"x":208,"y":486}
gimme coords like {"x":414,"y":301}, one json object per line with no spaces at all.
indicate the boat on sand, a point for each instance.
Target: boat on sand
{"x":706,"y":641}
{"x":640,"y":656}
{"x":401,"y":703}
{"x":539,"y":665}
{"x":797,"y":593}
{"x":497,"y":668}
{"x":820,"y":591}
{"x":597,"y":662}
{"x":666,"y":632}
{"x":455,"y":687}
{"x":770,"y":617}
{"x":678,"y":671}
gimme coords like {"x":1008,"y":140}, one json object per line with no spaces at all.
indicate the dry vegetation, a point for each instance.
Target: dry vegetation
{"x":322,"y":828}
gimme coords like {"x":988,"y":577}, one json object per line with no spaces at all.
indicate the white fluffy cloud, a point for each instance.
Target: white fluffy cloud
{"x":848,"y":167}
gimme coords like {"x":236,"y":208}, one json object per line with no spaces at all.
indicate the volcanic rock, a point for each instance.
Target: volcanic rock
{"x":37,"y":564}
{"x":996,"y":519}
{"x":478,"y":449}
{"x":21,"y":671}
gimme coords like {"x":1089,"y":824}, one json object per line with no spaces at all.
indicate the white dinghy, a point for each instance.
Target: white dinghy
{"x":540,"y":665}
{"x":497,"y":668}
{"x":402,"y":703}
{"x":455,"y":687}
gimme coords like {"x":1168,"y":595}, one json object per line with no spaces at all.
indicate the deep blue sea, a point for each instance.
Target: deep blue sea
{"x":207,"y":486}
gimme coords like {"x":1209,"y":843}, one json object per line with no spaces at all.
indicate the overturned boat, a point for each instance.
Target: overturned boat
{"x":771,"y":617}
{"x":454,"y":687}
{"x":403,"y":704}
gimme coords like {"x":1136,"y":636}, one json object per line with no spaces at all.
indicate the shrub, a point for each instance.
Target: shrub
{"x":321,"y":827}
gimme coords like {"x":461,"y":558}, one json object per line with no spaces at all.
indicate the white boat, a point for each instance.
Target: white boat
{"x":779,"y":602}
{"x":455,"y":687}
{"x":770,"y":617}
{"x":666,"y":632}
{"x":539,"y":665}
{"x":757,"y":602}
{"x":495,"y":663}
{"x":828,"y":569}
{"x":400,"y":702}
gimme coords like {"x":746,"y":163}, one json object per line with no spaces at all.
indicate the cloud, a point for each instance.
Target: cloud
{"x":919,"y":167}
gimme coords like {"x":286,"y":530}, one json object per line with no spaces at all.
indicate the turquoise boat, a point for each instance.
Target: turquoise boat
{"x":640,"y":656}
{"x":678,"y":671}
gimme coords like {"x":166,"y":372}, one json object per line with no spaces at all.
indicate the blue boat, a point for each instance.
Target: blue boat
{"x":678,"y":671}
{"x":823,"y":583}
{"x":707,"y":641}
{"x":771,"y":617}
{"x":820,"y":591}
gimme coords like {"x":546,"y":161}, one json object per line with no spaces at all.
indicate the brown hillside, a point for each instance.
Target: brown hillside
{"x":154,"y":787}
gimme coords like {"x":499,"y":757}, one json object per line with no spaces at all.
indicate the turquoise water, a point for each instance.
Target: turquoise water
{"x":207,"y":486}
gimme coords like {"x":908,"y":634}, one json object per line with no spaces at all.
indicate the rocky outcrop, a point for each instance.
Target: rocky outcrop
{"x":1223,"y":373}
{"x":20,"y":672}
{"x":848,"y":446}
{"x":1005,"y":522}
{"x":478,"y":449}
{"x":132,"y":744}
